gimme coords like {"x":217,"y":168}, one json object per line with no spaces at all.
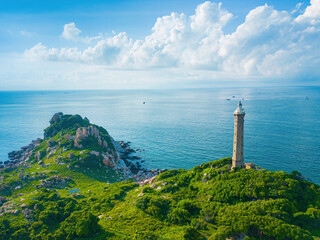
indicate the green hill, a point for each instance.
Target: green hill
{"x":73,"y":185}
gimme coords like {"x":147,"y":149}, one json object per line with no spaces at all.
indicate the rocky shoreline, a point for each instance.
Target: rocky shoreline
{"x":130,"y":165}
{"x":130,"y":161}
{"x":85,"y":143}
{"x":20,"y":157}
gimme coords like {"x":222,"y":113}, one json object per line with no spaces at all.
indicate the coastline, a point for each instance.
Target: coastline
{"x":128,"y":164}
{"x":181,"y":134}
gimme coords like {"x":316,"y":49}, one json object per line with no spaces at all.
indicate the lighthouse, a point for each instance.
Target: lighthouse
{"x":237,"y":157}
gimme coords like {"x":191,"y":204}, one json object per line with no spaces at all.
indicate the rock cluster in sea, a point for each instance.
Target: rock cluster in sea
{"x":136,"y":170}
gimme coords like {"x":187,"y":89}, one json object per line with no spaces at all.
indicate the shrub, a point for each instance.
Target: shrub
{"x":154,"y":206}
{"x":179,"y":216}
{"x":188,"y":205}
{"x":79,"y":224}
{"x":221,"y":234}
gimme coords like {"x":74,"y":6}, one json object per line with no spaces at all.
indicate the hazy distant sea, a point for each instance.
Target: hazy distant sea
{"x":182,"y":128}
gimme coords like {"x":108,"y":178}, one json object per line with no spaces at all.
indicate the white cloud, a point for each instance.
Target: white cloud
{"x":71,"y":32}
{"x":53,"y":54}
{"x":208,"y":17}
{"x":311,"y":14}
{"x":264,"y":32}
{"x":297,"y":8}
{"x":269,"y":43}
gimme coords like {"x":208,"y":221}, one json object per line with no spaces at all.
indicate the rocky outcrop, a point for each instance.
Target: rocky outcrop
{"x":60,"y":122}
{"x":38,"y":156}
{"x":51,"y":143}
{"x":85,"y":132}
{"x":24,"y":153}
{"x":71,"y":155}
{"x":54,"y":181}
{"x":110,"y":156}
{"x":109,"y":160}
{"x":56,"y":117}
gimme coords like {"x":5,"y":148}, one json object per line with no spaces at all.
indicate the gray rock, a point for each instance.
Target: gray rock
{"x":71,"y":155}
{"x":50,"y":143}
{"x":56,"y":117}
{"x":38,"y":155}
{"x":15,"y":212}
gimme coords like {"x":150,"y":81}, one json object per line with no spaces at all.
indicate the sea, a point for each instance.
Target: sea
{"x":181,"y":128}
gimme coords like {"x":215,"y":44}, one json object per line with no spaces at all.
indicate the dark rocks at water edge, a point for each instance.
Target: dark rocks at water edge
{"x":138,"y":173}
{"x":125,"y":154}
{"x":24,"y":151}
{"x":23,"y":154}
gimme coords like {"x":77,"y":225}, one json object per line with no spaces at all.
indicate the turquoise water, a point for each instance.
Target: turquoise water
{"x":74,"y":190}
{"x":182,"y":128}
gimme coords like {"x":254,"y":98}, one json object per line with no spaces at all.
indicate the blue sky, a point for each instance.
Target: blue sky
{"x":158,"y":44}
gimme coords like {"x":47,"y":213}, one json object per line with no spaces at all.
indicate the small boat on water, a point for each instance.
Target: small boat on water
{"x":144,"y":102}
{"x":307,"y":98}
{"x":228,"y":99}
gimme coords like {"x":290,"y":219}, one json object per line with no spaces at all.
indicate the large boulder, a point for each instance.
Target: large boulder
{"x":38,"y":155}
{"x":56,"y":117}
{"x":71,"y":155}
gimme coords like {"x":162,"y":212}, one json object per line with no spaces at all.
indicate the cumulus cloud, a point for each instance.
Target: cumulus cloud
{"x":71,"y":32}
{"x":311,"y":14}
{"x":269,"y":43}
{"x":54,"y":54}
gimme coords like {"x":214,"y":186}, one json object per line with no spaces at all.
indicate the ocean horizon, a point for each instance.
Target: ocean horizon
{"x":181,"y":128}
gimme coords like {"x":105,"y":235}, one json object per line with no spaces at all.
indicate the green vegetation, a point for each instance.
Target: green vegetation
{"x":207,"y":202}
{"x":66,"y":124}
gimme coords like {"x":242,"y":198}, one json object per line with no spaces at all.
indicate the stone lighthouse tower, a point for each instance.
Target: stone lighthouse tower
{"x":237,"y":157}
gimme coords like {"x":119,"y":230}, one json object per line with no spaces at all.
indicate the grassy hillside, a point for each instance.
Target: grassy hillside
{"x":67,"y":192}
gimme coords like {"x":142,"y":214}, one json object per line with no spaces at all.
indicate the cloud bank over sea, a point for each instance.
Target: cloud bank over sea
{"x":268,"y":45}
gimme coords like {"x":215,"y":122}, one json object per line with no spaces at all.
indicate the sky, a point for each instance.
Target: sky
{"x":150,"y":44}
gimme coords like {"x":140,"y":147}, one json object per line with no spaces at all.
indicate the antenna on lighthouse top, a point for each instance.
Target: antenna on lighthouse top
{"x":239,"y":109}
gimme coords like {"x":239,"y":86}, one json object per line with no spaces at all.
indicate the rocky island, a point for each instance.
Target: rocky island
{"x":79,"y":183}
